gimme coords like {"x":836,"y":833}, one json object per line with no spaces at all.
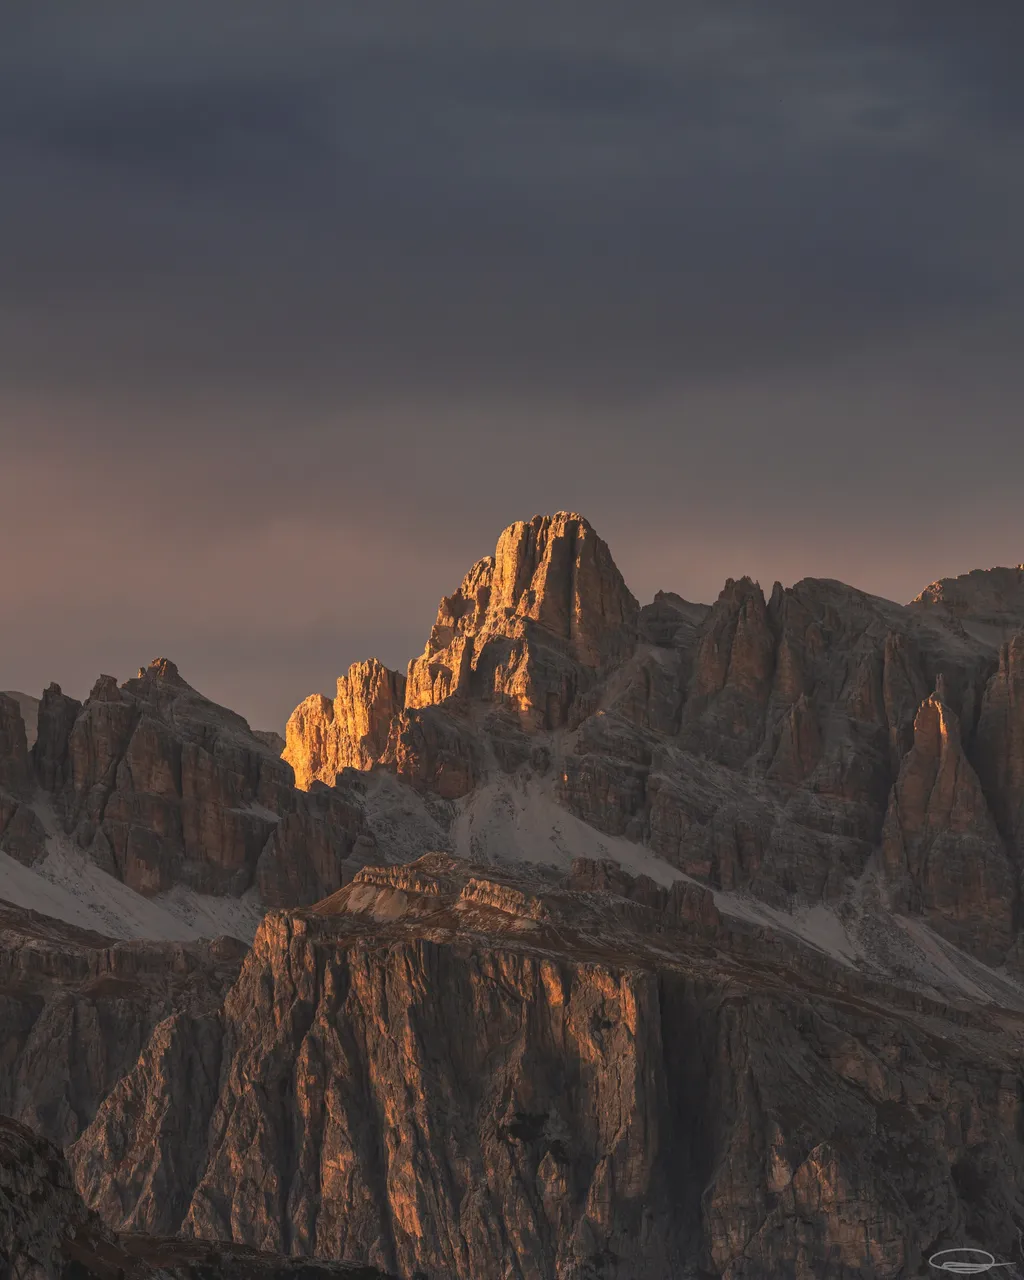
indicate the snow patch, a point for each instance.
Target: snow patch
{"x":513,"y":818}
{"x":818,"y":926}
{"x":69,"y":886}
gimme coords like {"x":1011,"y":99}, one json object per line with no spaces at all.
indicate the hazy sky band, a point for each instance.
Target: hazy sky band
{"x":299,"y":310}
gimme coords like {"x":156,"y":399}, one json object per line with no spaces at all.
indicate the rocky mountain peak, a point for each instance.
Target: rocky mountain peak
{"x":529,"y":629}
{"x":940,"y":843}
{"x":161,"y":669}
{"x":551,"y":579}
{"x":987,"y":603}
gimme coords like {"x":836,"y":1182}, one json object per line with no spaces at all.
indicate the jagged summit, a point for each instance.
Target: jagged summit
{"x":987,"y":603}
{"x":161,"y":669}
{"x":528,"y":631}
{"x":773,"y":743}
{"x":149,"y":788}
{"x":551,"y":584}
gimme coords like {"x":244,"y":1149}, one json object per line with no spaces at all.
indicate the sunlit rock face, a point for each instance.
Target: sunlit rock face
{"x":943,"y":853}
{"x":461,"y":1072}
{"x":791,"y":1049}
{"x":530,"y":631}
{"x":323,"y":737}
{"x":528,"y":621}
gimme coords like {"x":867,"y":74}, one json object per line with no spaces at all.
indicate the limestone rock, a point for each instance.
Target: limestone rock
{"x":671,"y":622}
{"x":14,"y":764}
{"x":447,"y":1068}
{"x":731,"y":683}
{"x":469,"y":1072}
{"x":987,"y":604}
{"x":162,"y":786}
{"x":433,"y":750}
{"x":770,"y":766}
{"x":608,"y":793}
{"x":305,"y":858}
{"x":272,"y":739}
{"x":29,"y":708}
{"x":39,"y":1206}
{"x":21,"y":833}
{"x":999,"y":744}
{"x":683,"y":900}
{"x":324,"y":737}
{"x":57,"y":715}
{"x":46,"y":1233}
{"x":799,"y":748}
{"x":76,"y":1009}
{"x":654,"y":684}
{"x":529,"y":623}
{"x":942,"y":850}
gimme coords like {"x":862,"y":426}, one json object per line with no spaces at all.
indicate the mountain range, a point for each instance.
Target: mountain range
{"x":607,"y":942}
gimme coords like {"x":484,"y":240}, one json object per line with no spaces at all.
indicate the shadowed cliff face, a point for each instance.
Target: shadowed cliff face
{"x":46,"y":1233}
{"x":473,"y":1074}
{"x":76,"y":1009}
{"x":161,"y":788}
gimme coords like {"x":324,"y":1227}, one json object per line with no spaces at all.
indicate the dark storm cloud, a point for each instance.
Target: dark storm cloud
{"x":284,"y":291}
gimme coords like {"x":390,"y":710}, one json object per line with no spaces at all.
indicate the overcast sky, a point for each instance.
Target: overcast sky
{"x":300,"y":305}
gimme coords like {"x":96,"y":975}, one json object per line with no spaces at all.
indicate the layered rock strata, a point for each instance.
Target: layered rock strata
{"x":448,"y":1071}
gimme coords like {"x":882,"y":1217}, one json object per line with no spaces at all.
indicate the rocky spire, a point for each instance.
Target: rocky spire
{"x":525,"y":623}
